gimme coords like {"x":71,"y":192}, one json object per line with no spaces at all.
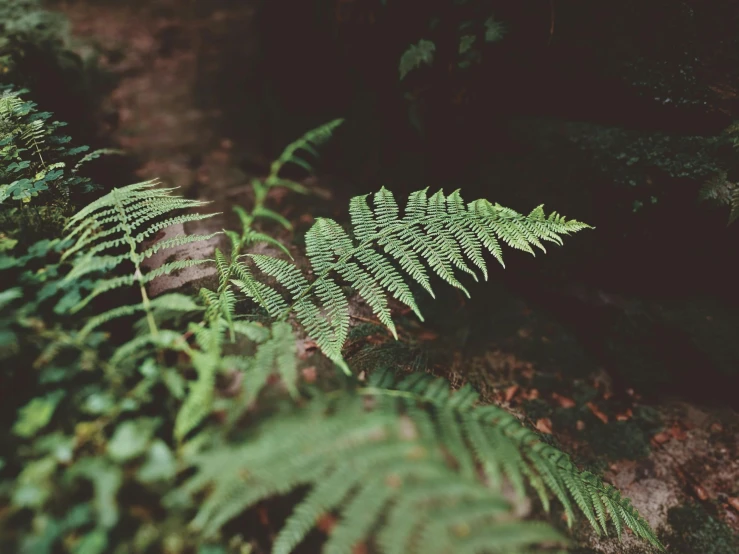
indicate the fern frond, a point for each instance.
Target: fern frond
{"x":493,"y":439}
{"x":376,"y":469}
{"x":107,"y":236}
{"x":307,"y":143}
{"x":437,"y":234}
{"x":415,"y":56}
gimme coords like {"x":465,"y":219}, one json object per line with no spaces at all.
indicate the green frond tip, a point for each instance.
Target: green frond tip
{"x":296,"y":151}
{"x":494,"y":440}
{"x":385,"y":252}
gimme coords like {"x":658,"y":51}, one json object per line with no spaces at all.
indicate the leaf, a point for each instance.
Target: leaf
{"x":415,"y":56}
{"x":494,"y":30}
{"x":37,"y":414}
{"x":160,"y":464}
{"x":130,"y":439}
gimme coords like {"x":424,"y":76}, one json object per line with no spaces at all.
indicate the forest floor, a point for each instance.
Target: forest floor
{"x":678,"y":461}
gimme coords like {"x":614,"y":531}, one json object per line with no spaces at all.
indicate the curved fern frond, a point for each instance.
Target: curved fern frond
{"x":294,"y":152}
{"x":110,"y":234}
{"x":437,"y":234}
{"x":376,"y":469}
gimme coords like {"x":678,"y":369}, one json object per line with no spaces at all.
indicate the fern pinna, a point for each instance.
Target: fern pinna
{"x":437,"y":233}
{"x":107,"y":236}
{"x":416,"y":469}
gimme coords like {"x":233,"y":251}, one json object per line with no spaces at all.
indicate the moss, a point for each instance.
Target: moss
{"x":694,"y":531}
{"x":615,"y":440}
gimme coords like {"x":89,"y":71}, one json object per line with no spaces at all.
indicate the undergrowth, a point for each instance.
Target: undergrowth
{"x":154,"y":424}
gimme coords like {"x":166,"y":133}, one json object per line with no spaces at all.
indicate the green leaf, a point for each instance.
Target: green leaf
{"x":130,"y":440}
{"x":494,"y":30}
{"x":95,"y":542}
{"x":37,"y":414}
{"x":160,"y":464}
{"x":466,"y":42}
{"x":415,"y":56}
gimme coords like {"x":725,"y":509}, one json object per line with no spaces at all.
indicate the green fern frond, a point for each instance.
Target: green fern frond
{"x":307,"y":144}
{"x":108,"y":234}
{"x":437,"y":234}
{"x":415,"y":56}
{"x":376,"y":469}
{"x":403,"y":468}
{"x":493,"y":439}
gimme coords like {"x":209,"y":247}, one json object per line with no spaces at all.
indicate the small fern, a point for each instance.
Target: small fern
{"x":439,"y":231}
{"x":415,"y":56}
{"x":107,"y":235}
{"x":724,"y":192}
{"x":305,"y":144}
{"x":34,"y":154}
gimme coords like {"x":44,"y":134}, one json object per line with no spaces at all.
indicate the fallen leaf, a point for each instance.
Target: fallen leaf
{"x":309,"y":374}
{"x":678,"y":432}
{"x":427,"y":335}
{"x":510,"y":392}
{"x":734,"y":502}
{"x":625,"y":416}
{"x":563,"y":401}
{"x":326,"y":523}
{"x":661,"y":437}
{"x":580,"y":425}
{"x":700,"y":492}
{"x":716,"y":428}
{"x":597,"y":413}
{"x":544,"y":425}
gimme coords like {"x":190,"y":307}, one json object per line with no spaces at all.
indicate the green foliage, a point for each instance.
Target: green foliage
{"x":411,"y":453}
{"x":25,"y":22}
{"x":35,"y":155}
{"x":107,"y":235}
{"x":363,"y":464}
{"x":695,"y":530}
{"x":439,"y":231}
{"x":110,"y":420}
{"x":720,"y":190}
{"x":415,"y":56}
{"x":306,"y":144}
{"x":34,"y":43}
{"x":627,"y":155}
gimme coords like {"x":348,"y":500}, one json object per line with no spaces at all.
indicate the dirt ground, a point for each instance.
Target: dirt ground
{"x":678,"y":461}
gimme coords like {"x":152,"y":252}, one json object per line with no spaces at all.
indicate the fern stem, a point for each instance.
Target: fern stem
{"x":128,"y":232}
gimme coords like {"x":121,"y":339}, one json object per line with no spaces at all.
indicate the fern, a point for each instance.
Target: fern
{"x":34,"y":154}
{"x":379,"y":470}
{"x":493,"y":439}
{"x":724,"y":192}
{"x":404,"y":470}
{"x":108,"y":234}
{"x":304,"y":145}
{"x":439,"y":233}
{"x":415,"y":56}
